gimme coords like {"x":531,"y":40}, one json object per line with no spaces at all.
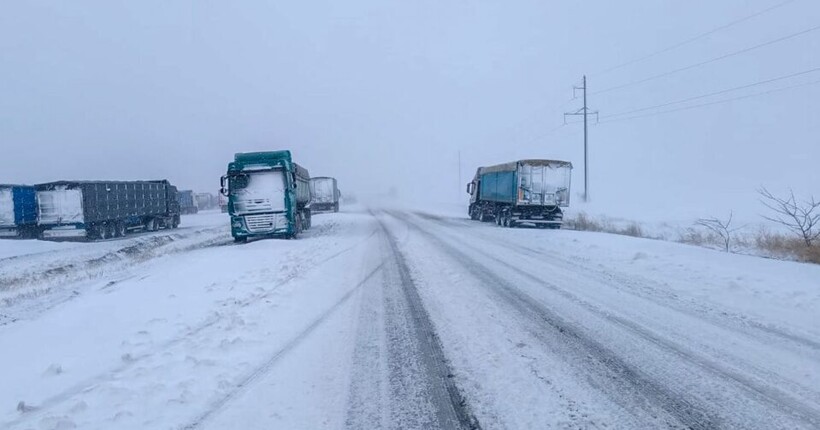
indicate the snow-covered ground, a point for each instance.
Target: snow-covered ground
{"x":394,"y":319}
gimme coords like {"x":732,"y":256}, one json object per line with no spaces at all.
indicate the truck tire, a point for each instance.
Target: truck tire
{"x":111,"y":229}
{"x":241,"y":239}
{"x":121,"y":229}
{"x":104,"y":231}
{"x":151,"y":224}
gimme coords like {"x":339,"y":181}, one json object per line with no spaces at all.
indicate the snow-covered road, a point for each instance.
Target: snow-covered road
{"x":393,"y":319}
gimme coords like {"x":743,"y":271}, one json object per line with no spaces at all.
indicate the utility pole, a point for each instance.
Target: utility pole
{"x":585,"y":112}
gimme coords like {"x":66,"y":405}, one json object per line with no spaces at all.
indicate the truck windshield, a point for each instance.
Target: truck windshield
{"x":259,"y":191}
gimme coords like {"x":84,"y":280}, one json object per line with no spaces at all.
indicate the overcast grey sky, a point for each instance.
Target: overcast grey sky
{"x":384,"y":94}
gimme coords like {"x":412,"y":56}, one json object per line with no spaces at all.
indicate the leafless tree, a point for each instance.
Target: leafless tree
{"x":722,"y":228}
{"x":803,"y":218}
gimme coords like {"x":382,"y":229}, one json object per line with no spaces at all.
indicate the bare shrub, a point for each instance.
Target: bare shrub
{"x":802,"y":218}
{"x":584,"y":222}
{"x":633,"y":229}
{"x":811,"y":254}
{"x":721,"y":228}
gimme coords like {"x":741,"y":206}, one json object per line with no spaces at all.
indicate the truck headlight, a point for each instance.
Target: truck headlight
{"x":237,"y":223}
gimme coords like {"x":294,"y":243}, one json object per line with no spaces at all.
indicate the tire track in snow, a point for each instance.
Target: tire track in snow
{"x":28,"y":283}
{"x":111,"y":374}
{"x":773,"y":391}
{"x":750,"y":329}
{"x":604,"y":363}
{"x":761,"y":392}
{"x":254,"y":376}
{"x":450,"y":407}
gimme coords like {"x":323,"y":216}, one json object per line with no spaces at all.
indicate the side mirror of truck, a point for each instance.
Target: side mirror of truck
{"x":222,"y":189}
{"x":469,"y":188}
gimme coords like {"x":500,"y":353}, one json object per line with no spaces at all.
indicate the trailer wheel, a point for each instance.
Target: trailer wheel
{"x":112,"y":229}
{"x":510,"y":222}
{"x":175,"y":223}
{"x":97,"y":231}
{"x":103,"y":231}
{"x":151,"y":225}
{"x":121,"y":229}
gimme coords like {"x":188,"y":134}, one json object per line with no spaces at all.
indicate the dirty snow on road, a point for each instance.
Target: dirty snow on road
{"x":391,"y":319}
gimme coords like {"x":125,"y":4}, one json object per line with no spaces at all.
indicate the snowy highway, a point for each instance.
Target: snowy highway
{"x":396,"y":319}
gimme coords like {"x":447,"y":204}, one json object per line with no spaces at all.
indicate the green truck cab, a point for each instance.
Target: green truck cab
{"x":268,"y":195}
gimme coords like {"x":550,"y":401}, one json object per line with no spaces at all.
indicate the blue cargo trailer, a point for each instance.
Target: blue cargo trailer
{"x":521,"y":192}
{"x":187,"y":202}
{"x":18,"y":211}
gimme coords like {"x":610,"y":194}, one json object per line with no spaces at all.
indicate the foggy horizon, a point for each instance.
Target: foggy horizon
{"x":385,"y":96}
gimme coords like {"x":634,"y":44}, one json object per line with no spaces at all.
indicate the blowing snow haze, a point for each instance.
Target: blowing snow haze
{"x":384,"y":95}
{"x":402,"y":237}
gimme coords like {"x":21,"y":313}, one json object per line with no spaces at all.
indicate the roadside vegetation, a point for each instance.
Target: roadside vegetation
{"x":791,"y":232}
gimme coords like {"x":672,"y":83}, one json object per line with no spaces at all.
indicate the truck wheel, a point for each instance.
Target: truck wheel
{"x":240,"y":239}
{"x":176,"y":221}
{"x":151,"y":225}
{"x":98,"y":231}
{"x":112,"y":229}
{"x":121,"y":229}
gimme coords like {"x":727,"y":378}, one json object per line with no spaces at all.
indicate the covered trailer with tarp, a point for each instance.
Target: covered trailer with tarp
{"x":325,"y":194}
{"x":18,"y":211}
{"x":105,"y":209}
{"x":521,"y":192}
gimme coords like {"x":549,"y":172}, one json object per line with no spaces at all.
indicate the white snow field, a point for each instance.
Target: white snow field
{"x":395,"y":319}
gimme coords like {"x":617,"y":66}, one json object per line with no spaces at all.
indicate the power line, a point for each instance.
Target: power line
{"x":693,"y":39}
{"x":711,"y":60}
{"x":762,"y":93}
{"x":688,"y":99}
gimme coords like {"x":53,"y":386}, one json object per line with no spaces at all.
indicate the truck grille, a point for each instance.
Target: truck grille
{"x":261,"y":223}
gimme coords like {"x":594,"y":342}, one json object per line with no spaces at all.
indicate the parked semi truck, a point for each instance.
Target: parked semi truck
{"x":105,"y":209}
{"x":205,"y":201}
{"x":18,"y":211}
{"x":521,"y":192}
{"x":324,"y":194}
{"x":187,"y":202}
{"x":268,"y":195}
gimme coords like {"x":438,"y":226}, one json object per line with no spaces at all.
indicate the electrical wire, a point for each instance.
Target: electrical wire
{"x":693,"y":39}
{"x":763,"y":93}
{"x":688,"y":99}
{"x":711,"y":60}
